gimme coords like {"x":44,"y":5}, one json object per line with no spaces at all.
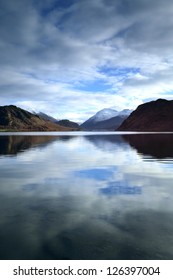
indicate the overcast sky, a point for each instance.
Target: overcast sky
{"x":71,"y":58}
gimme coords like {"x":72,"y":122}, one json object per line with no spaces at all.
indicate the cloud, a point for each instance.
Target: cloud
{"x":54,"y":51}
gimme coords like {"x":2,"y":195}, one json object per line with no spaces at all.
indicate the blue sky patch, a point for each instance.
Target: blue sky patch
{"x":94,"y":86}
{"x":119,"y":71}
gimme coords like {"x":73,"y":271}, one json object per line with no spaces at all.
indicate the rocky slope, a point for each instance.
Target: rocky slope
{"x":13,"y":118}
{"x":151,"y":116}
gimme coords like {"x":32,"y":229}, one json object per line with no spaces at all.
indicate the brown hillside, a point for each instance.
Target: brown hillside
{"x":152,"y":116}
{"x":16,"y":119}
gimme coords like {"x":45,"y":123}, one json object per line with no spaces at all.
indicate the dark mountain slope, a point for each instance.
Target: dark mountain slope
{"x":109,"y":124}
{"x":151,"y":116}
{"x":68,"y":123}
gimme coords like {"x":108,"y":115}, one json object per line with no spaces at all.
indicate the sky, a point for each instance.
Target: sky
{"x":72,"y":58}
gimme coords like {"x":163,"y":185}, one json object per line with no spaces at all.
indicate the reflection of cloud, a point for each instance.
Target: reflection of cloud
{"x":107,"y":142}
{"x":53,"y":203}
{"x":70,"y":228}
{"x":62,"y":161}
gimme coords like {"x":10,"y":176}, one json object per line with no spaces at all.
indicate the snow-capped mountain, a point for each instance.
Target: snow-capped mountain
{"x":107,"y":118}
{"x":125,"y":112}
{"x":103,"y":115}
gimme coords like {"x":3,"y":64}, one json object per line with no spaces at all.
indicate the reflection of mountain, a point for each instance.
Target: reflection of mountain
{"x":12,"y":145}
{"x":156,"y":145}
{"x":106,"y":142}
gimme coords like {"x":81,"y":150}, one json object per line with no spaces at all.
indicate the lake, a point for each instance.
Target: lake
{"x":86,"y":196}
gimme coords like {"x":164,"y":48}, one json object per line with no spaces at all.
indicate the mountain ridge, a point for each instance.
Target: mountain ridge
{"x":13,"y":118}
{"x":62,"y":122}
{"x":105,"y":119}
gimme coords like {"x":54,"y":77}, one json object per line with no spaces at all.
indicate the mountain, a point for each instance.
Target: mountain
{"x":64,"y":122}
{"x":46,"y":117}
{"x":67,"y":123}
{"x":15,"y":118}
{"x":109,"y":124}
{"x":151,"y":116}
{"x":103,"y":115}
{"x":106,"y":119}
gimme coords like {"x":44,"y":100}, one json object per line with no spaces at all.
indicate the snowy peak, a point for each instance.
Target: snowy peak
{"x":125,"y":112}
{"x":107,"y":118}
{"x":104,"y":114}
{"x":108,"y":113}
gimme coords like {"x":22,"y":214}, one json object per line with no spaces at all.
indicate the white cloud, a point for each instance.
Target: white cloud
{"x":49,"y":48}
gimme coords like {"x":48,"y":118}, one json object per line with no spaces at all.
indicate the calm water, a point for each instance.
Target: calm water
{"x":76,"y":196}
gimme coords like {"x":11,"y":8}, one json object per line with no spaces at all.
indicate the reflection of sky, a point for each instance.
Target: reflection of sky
{"x":99,"y":174}
{"x":70,"y":184}
{"x":116,"y":188}
{"x":79,"y":166}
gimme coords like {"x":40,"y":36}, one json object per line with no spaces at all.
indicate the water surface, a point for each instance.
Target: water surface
{"x":86,"y":196}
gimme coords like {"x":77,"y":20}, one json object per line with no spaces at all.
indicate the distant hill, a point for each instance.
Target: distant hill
{"x":16,"y":119}
{"x":67,"y":123}
{"x":151,"y":116}
{"x":64,"y":122}
{"x":46,"y":117}
{"x":106,"y":119}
